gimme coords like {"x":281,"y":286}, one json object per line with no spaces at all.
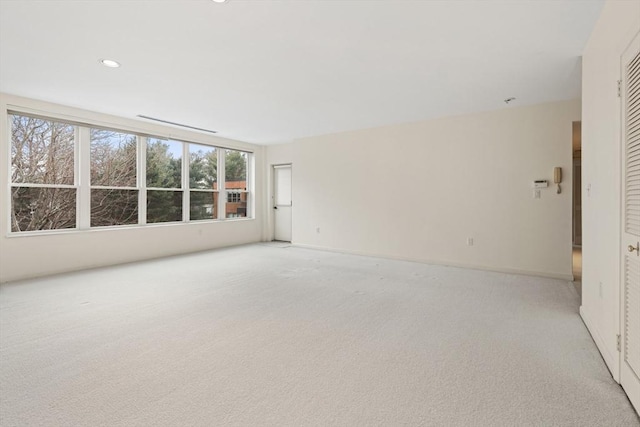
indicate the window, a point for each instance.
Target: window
{"x":235,"y":183}
{"x":233,"y":197}
{"x":43,"y":183}
{"x":114,"y":189}
{"x":76,"y":176}
{"x":164,"y":180}
{"x":203,"y":182}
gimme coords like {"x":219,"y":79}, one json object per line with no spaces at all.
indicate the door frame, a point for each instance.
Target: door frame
{"x":632,"y":388}
{"x":577,"y":207}
{"x":272,"y":203}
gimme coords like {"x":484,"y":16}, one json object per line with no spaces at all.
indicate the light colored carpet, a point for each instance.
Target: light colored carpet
{"x":277,"y":336}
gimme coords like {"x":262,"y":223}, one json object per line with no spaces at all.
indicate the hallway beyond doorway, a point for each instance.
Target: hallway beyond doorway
{"x":577,"y":269}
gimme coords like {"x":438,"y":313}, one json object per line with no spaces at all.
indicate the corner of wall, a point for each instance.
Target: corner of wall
{"x":601,"y":170}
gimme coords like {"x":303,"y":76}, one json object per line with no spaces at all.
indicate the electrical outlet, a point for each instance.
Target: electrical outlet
{"x":536,"y":193}
{"x":317,"y":229}
{"x":469,"y":241}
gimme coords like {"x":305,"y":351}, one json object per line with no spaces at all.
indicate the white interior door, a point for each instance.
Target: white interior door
{"x":630,"y":286}
{"x":282,"y":202}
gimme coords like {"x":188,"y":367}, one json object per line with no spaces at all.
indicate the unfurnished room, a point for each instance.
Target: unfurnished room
{"x":320,"y":213}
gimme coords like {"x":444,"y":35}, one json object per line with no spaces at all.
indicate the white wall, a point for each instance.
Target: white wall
{"x":37,"y":255}
{"x":417,"y":191}
{"x":601,"y":157}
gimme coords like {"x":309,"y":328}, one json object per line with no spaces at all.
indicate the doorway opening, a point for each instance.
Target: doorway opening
{"x":577,"y":206}
{"x":282,"y":202}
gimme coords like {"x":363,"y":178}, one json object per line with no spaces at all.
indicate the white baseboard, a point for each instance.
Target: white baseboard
{"x":609,"y":359}
{"x":568,"y":277}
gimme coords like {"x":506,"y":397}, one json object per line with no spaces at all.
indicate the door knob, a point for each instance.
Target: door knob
{"x":632,"y":248}
{"x":275,"y":207}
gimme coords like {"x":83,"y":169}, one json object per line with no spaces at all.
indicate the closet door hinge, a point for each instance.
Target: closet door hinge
{"x":618,"y":344}
{"x":619,"y":88}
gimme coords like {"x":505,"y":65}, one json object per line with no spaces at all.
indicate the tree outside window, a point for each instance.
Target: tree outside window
{"x":66,"y":176}
{"x":43,"y":191}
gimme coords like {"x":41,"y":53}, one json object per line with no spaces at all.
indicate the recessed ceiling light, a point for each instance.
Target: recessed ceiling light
{"x":110,"y":63}
{"x":219,"y":1}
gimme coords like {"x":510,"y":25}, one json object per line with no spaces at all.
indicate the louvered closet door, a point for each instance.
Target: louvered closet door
{"x":630,"y":289}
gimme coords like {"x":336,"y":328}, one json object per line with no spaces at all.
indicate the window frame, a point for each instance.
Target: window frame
{"x":12,"y":185}
{"x":86,"y":172}
{"x":247,"y":191}
{"x":144,"y":189}
{"x":216,"y":193}
{"x":82,"y":181}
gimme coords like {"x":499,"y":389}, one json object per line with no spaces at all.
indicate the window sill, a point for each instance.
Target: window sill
{"x":40,"y":233}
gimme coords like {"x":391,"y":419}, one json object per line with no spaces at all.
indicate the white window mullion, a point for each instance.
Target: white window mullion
{"x":222,"y":194}
{"x":142,"y":180}
{"x":186,"y":194}
{"x":250,"y":186}
{"x":83,"y":177}
{"x":9,"y":194}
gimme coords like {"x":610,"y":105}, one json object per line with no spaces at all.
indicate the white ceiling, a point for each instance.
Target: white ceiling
{"x":271,"y":71}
